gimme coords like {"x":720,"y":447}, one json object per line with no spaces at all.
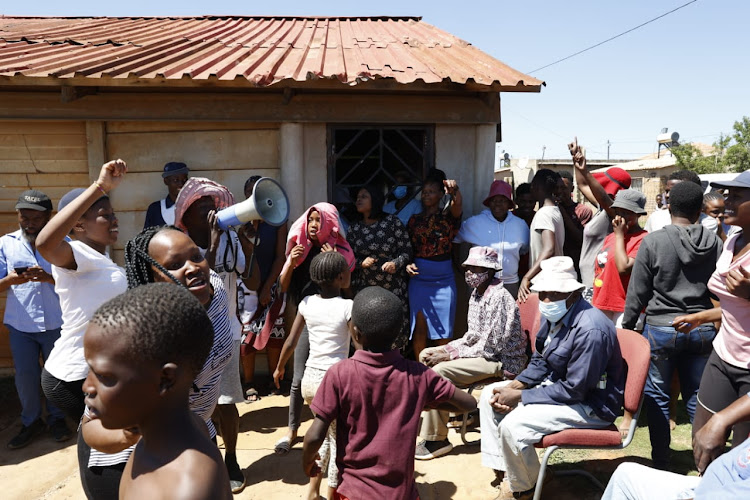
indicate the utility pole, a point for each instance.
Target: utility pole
{"x":544,"y":148}
{"x":608,"y":144}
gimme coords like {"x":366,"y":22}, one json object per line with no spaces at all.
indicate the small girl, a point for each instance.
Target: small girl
{"x":327,"y":316}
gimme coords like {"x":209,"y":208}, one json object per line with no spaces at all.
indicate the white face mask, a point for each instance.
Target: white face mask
{"x":554,"y":311}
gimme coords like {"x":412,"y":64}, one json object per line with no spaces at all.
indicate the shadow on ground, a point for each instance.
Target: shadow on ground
{"x":285,"y":468}
{"x":268,"y":420}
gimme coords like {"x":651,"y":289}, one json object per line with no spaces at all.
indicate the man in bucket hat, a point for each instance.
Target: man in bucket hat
{"x":576,"y":378}
{"x":161,"y":212}
{"x":493,"y":346}
{"x":32,"y":315}
{"x":499,"y":229}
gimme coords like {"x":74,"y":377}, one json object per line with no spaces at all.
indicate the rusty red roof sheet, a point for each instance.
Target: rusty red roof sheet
{"x":261,"y":50}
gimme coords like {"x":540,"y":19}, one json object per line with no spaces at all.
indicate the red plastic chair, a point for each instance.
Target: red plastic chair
{"x":530,"y":321}
{"x":636,"y":353}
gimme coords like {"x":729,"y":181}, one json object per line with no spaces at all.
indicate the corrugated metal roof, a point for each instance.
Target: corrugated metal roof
{"x":260,"y":50}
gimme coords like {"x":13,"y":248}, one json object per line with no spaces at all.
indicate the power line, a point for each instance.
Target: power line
{"x":612,"y":38}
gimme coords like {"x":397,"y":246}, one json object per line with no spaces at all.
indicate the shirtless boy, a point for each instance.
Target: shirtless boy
{"x":144,"y":349}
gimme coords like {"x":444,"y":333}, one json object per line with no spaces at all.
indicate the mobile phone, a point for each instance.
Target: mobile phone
{"x":21,"y":270}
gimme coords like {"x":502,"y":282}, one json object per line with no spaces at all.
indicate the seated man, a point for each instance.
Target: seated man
{"x":726,"y":477}
{"x":576,"y":379}
{"x":493,"y":346}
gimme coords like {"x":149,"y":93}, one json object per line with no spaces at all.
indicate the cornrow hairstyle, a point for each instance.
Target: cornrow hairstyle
{"x":685,"y":175}
{"x":713,"y":196}
{"x":686,"y":200}
{"x":250,"y":182}
{"x":377,"y":313}
{"x":138,"y":263}
{"x":326,"y":266}
{"x":163,"y":323}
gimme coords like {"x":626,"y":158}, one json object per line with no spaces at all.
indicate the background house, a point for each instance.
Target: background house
{"x":319,"y":104}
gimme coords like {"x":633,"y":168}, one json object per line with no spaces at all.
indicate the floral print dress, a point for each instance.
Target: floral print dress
{"x":386,"y":240}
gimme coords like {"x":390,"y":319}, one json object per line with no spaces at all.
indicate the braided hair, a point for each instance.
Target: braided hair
{"x":139,"y":264}
{"x":326,"y":266}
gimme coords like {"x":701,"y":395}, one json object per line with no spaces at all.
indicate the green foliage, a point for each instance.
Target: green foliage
{"x":731,"y":153}
{"x":738,"y":154}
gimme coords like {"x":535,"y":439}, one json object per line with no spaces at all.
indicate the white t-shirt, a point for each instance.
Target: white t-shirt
{"x":327,"y":323}
{"x":95,"y":281}
{"x":546,"y":218}
{"x":657,"y":220}
{"x":230,"y":261}
{"x":509,"y":238}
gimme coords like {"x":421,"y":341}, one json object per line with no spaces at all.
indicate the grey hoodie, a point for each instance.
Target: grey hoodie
{"x":670,"y":274}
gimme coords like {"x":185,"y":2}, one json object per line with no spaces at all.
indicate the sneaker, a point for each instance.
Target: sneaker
{"x":60,"y":431}
{"x":27,"y":434}
{"x":427,"y":450}
{"x":236,"y":477}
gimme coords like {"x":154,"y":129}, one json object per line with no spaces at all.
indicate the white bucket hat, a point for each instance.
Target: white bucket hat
{"x":557,"y":275}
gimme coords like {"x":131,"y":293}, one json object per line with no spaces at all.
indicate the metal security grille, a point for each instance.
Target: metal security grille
{"x":360,"y":155}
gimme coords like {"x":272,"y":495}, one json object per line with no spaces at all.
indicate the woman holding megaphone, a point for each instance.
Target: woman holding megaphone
{"x":317,"y":230}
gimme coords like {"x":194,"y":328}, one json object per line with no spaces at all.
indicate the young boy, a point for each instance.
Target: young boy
{"x":144,"y":349}
{"x":376,"y":426}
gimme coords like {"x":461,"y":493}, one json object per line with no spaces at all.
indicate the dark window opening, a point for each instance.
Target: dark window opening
{"x":378,"y":155}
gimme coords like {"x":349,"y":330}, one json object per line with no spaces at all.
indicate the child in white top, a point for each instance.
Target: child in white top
{"x":327,"y":317}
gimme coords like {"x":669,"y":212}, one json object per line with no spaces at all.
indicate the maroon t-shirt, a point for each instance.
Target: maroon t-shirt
{"x":376,"y":400}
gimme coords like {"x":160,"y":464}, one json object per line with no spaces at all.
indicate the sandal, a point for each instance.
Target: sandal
{"x":251,"y":396}
{"x":283,"y":446}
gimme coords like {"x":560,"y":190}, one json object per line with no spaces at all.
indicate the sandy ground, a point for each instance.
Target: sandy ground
{"x":48,"y":470}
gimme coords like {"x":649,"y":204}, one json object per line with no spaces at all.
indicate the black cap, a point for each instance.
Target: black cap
{"x":174,"y":168}
{"x":34,"y":200}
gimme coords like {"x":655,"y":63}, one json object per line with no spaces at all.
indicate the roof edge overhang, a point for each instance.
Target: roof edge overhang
{"x":328,"y":84}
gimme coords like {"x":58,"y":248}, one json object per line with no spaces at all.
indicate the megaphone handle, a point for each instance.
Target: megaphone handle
{"x":249,"y":269}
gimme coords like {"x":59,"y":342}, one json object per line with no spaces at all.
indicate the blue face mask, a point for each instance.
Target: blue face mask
{"x":553,"y":311}
{"x":399,"y":192}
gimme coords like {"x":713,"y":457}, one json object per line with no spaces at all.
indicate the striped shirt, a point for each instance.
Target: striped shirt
{"x":203,"y":400}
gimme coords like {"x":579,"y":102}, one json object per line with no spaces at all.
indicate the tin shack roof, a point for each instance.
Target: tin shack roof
{"x":245,"y":51}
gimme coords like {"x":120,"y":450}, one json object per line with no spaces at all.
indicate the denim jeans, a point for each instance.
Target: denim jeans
{"x":670,"y":351}
{"x":26,"y":348}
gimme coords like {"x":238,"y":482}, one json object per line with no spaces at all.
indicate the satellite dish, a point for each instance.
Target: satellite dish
{"x":523,"y":162}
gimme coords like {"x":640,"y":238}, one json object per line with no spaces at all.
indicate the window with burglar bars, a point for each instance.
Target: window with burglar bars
{"x":377,"y":155}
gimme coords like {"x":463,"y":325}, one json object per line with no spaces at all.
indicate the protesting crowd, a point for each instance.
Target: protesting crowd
{"x":356,"y":307}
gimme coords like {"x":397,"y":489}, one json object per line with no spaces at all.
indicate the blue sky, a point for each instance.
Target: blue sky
{"x":688,"y":71}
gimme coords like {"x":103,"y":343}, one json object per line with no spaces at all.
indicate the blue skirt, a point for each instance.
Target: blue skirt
{"x":433,"y":293}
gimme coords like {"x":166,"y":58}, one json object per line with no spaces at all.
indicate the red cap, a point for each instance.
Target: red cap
{"x":613,"y":180}
{"x":499,"y":188}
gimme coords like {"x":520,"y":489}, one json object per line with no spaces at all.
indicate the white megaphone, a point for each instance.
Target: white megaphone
{"x":268,"y":203}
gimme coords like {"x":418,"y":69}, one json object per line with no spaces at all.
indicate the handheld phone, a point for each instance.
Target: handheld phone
{"x":21,"y":269}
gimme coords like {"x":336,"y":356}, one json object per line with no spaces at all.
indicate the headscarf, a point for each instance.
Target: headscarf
{"x":330,"y":232}
{"x":196,"y":188}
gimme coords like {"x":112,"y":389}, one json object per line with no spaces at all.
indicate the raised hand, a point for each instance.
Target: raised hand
{"x":112,"y":174}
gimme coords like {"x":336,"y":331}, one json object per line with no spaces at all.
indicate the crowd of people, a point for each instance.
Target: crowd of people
{"x":151,"y":359}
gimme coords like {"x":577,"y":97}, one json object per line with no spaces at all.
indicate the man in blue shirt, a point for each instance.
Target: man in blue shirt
{"x":161,"y":212}
{"x":32,"y":314}
{"x":575,"y":379}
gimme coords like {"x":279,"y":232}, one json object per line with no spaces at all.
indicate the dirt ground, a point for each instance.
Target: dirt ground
{"x":48,"y":470}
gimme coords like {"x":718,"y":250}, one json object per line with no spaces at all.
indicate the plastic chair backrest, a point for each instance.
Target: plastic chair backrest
{"x":636,"y":352}
{"x":530,"y":318}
